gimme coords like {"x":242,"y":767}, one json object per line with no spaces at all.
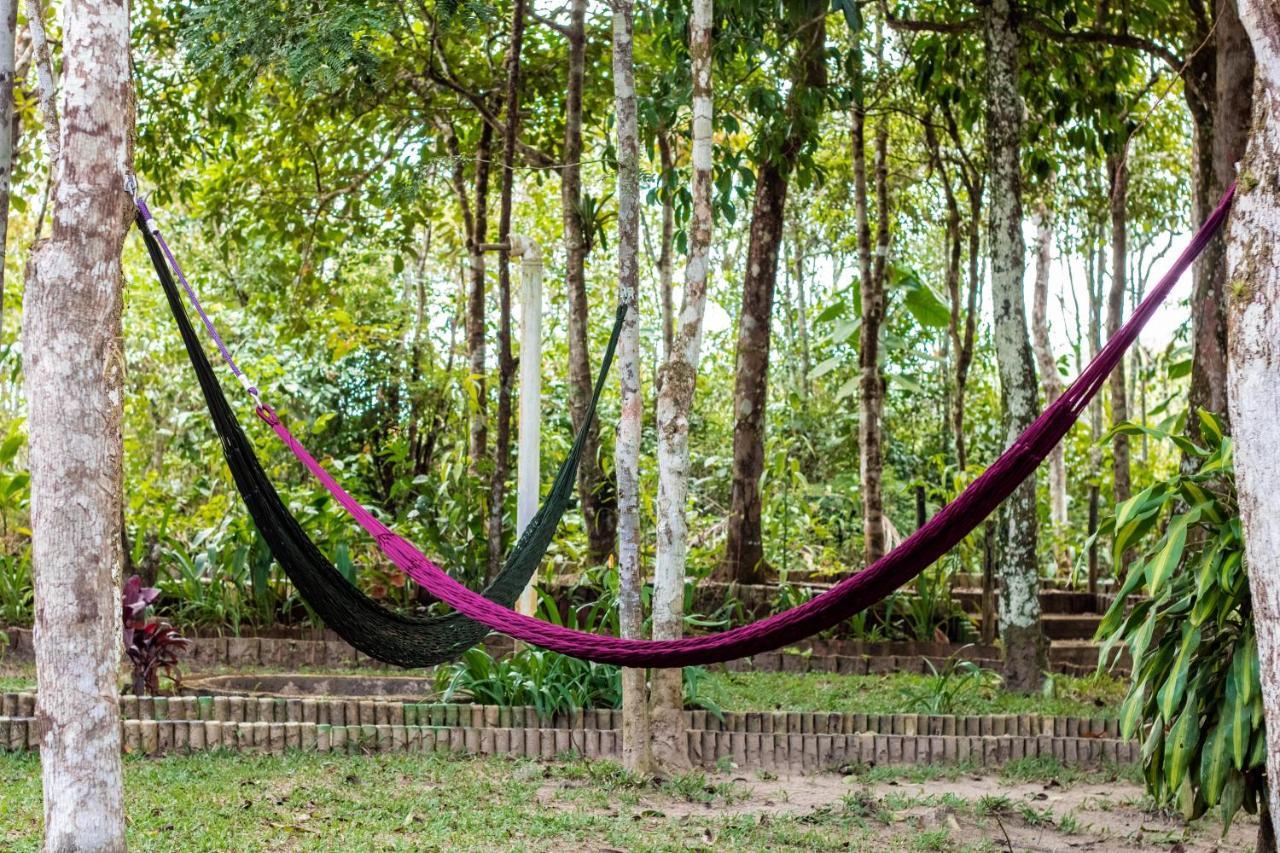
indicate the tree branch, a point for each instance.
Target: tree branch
{"x":1126,"y":40}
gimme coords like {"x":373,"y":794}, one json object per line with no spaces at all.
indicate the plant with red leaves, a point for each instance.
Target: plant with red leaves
{"x":153,"y":646}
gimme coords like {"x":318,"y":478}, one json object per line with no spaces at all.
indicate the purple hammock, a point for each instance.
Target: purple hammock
{"x":851,"y":595}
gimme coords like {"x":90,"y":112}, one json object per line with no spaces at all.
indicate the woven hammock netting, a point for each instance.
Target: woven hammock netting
{"x":373,"y":629}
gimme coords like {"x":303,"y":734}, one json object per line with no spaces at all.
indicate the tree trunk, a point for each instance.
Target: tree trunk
{"x":1221,"y":130}
{"x":1020,"y":629}
{"x":1253,"y":371}
{"x":1049,"y":380}
{"x":744,"y":548}
{"x":74,"y":380}
{"x":636,"y":756}
{"x":802,"y":311}
{"x":666,"y":256}
{"x":8,"y":37}
{"x":955,"y":250}
{"x":675,"y":400}
{"x":1119,"y":198}
{"x":475,"y":301}
{"x":506,"y":363}
{"x":597,"y":513}
{"x":872,"y":273}
{"x":1093,"y":278}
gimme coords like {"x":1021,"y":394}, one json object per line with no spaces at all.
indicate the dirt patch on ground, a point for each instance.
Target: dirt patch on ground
{"x":970,"y":812}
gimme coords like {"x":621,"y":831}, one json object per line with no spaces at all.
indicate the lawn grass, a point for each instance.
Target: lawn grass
{"x":250,"y":802}
{"x":899,"y":693}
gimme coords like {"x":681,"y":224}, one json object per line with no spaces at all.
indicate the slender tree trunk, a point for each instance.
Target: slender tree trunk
{"x":972,"y":179}
{"x":872,"y":266}
{"x":744,"y":548}
{"x":666,"y":257}
{"x":871,"y":383}
{"x":1094,"y":276}
{"x":597,"y":513}
{"x":1119,"y":198}
{"x":1253,"y":372}
{"x":8,"y":125}
{"x":964,"y":359}
{"x":1049,"y":380}
{"x":73,"y":360}
{"x":506,"y":362}
{"x":675,"y":400}
{"x":1020,"y":629}
{"x":475,"y":301}
{"x":955,"y":251}
{"x":1221,"y":129}
{"x":46,"y":82}
{"x":636,"y":755}
{"x":802,"y":311}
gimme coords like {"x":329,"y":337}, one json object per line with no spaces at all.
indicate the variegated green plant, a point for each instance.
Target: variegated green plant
{"x":1194,"y":697}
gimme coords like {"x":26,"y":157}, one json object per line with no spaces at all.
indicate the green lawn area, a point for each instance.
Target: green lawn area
{"x":320,"y":802}
{"x":1097,"y":696}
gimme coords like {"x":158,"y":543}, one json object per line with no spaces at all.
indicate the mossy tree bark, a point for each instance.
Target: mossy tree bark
{"x":1020,"y":628}
{"x":636,"y":755}
{"x":73,"y":360}
{"x":675,"y":400}
{"x":1253,"y":368}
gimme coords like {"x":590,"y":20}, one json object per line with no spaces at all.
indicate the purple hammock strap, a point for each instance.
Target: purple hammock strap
{"x":918,"y":551}
{"x":195,"y":300}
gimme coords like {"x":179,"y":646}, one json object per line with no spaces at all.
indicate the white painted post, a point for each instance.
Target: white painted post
{"x":529,"y":441}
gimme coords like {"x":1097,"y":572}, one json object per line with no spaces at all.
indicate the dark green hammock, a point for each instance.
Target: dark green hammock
{"x":368,"y":626}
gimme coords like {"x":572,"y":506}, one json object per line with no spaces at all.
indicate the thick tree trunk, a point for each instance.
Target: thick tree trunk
{"x":744,"y":547}
{"x":1020,"y":629}
{"x":1119,"y":199}
{"x":597,"y":513}
{"x":675,"y":400}
{"x":1049,"y":380}
{"x":1253,"y":372}
{"x":636,"y":755}
{"x":1221,"y":130}
{"x":73,"y":359}
{"x":475,"y":301}
{"x":506,"y":362}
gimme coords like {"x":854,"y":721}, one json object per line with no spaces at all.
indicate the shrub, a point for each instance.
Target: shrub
{"x":1194,"y":693}
{"x":152,"y":646}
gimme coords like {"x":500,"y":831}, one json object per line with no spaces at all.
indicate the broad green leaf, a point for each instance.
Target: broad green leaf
{"x":1210,"y":424}
{"x":1205,"y":606}
{"x":1116,"y":612}
{"x":1169,"y":556}
{"x":1172,"y":691}
{"x":926,"y":307}
{"x":824,"y":367}
{"x":1233,"y":796}
{"x":1180,"y":745}
{"x":1215,"y":764}
{"x":1131,"y":710}
{"x":1237,"y":715}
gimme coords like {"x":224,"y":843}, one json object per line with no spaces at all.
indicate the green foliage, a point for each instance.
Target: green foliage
{"x":946,"y":689}
{"x":553,"y":683}
{"x":1195,"y":696}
